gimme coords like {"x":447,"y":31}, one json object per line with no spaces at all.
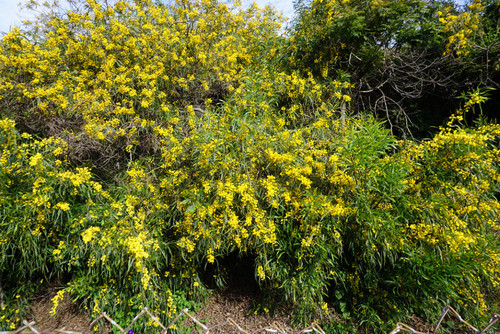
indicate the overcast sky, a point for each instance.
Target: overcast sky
{"x":11,"y":16}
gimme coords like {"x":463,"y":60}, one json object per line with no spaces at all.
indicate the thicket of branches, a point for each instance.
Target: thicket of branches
{"x":409,"y":61}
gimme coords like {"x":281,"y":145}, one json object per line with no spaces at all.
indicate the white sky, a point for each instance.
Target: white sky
{"x":11,"y":16}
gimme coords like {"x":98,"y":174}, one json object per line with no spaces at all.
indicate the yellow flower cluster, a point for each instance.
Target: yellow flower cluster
{"x":89,"y":234}
{"x":461,"y":221}
{"x":164,"y":57}
{"x":461,"y":27}
{"x":56,"y":300}
{"x":217,"y":151}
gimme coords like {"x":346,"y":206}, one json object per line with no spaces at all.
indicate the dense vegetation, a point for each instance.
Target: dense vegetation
{"x":408,"y":60}
{"x":144,"y":144}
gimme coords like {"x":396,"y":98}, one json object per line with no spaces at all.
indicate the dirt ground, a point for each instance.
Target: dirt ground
{"x":68,"y":316}
{"x":222,"y":314}
{"x":229,"y":312}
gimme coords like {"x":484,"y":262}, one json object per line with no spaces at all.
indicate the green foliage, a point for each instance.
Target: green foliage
{"x":207,"y":161}
{"x":354,"y":35}
{"x":409,"y":60}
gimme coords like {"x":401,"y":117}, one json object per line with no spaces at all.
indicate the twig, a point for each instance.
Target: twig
{"x":493,"y":319}
{"x":406,"y":328}
{"x":155,"y":319}
{"x":95,"y":321}
{"x":30,"y":326}
{"x":135,"y":319}
{"x":176,"y":318}
{"x":112,"y":321}
{"x":237,"y":326}
{"x":66,"y":332}
{"x":20,"y":329}
{"x":185,"y":311}
{"x":455,"y":313}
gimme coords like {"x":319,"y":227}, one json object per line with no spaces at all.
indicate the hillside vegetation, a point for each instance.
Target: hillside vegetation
{"x":145,"y":145}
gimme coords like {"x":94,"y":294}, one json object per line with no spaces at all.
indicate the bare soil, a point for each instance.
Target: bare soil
{"x":68,"y":316}
{"x":229,"y":311}
{"x":223,"y":313}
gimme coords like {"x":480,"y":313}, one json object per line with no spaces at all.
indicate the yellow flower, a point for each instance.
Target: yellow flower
{"x":55,"y":301}
{"x":36,"y":159}
{"x":260,"y":273}
{"x":61,"y":206}
{"x":89,"y":233}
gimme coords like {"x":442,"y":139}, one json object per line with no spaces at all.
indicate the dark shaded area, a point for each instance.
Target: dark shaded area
{"x":234,"y":273}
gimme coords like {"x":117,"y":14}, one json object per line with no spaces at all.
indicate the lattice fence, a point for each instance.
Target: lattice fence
{"x":231,"y":326}
{"x":400,"y":327}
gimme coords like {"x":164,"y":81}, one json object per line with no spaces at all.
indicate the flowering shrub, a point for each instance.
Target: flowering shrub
{"x":409,"y":60}
{"x":462,"y":28}
{"x":213,"y":149}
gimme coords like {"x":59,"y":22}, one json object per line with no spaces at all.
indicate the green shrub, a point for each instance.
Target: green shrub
{"x":334,"y":211}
